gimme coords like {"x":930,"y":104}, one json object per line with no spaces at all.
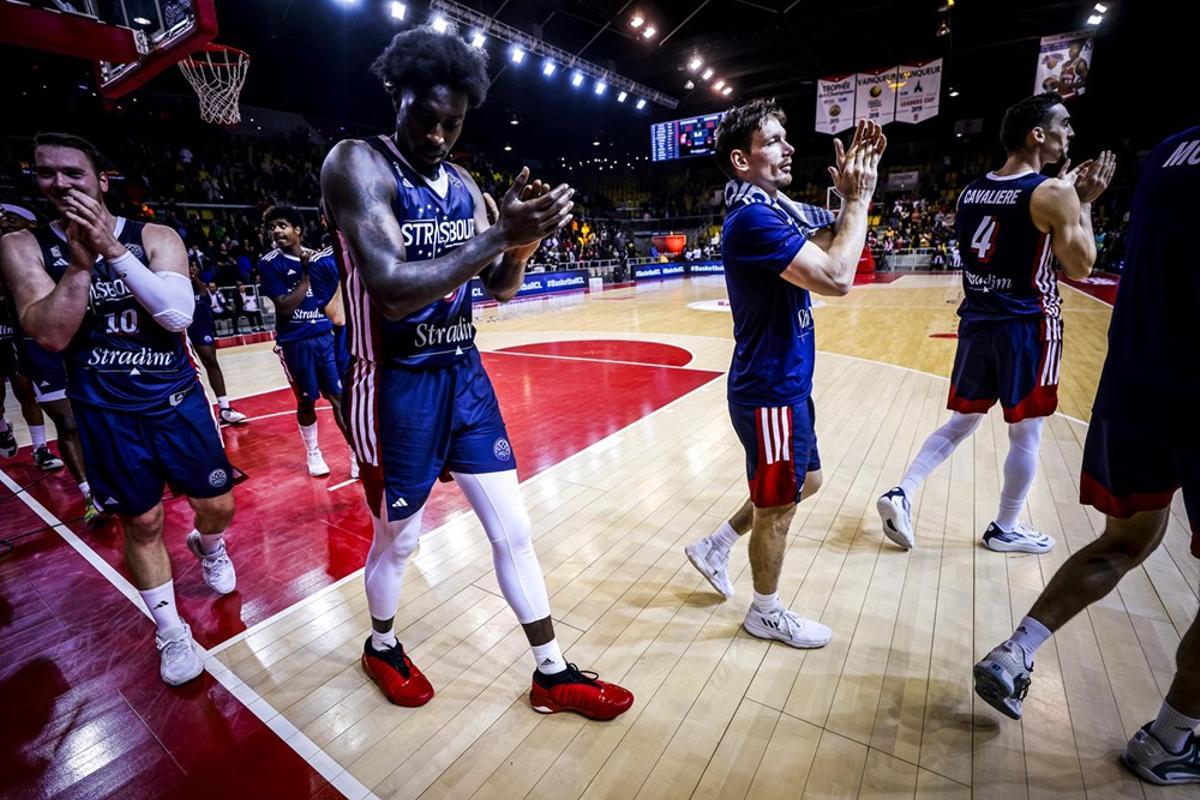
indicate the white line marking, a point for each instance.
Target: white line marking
{"x":337,"y":486}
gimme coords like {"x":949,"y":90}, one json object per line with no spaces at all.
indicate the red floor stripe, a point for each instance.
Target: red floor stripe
{"x":609,"y":350}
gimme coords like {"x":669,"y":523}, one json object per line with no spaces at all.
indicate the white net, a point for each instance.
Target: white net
{"x":217,"y":73}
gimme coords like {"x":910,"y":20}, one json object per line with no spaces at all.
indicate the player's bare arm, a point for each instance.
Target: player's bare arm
{"x":856,"y":171}
{"x":358,"y":192}
{"x":1062,"y":207}
{"x":503,"y":277}
{"x":50,"y":313}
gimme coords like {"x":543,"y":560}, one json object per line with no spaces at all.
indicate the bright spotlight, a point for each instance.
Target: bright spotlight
{"x":1095,"y":19}
{"x":728,"y":90}
{"x":577,"y":79}
{"x":596,"y":143}
{"x":140,"y":21}
{"x":441,"y":24}
{"x":649,"y":32}
{"x":696,"y":63}
{"x":708,"y":73}
{"x":518,"y":55}
{"x":719,"y":85}
{"x":601,"y":87}
{"x":637,"y":21}
{"x":1101,"y":8}
{"x":641,"y":104}
{"x":477,"y":39}
{"x":621,"y":97}
{"x":398,"y":10}
{"x":548,"y":67}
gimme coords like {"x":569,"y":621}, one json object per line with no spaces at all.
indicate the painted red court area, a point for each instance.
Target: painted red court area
{"x":87,"y":714}
{"x":1101,"y":285}
{"x":609,"y":350}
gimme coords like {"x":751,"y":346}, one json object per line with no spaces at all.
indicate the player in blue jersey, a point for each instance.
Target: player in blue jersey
{"x":411,"y":230}
{"x":113,"y":296}
{"x":1136,"y":457}
{"x":1012,"y":223}
{"x":304,"y":285}
{"x":776,"y":252}
{"x":203,"y":336}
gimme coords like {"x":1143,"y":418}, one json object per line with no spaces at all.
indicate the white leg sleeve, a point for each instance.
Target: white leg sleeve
{"x":1020,"y":467}
{"x":496,"y":499}
{"x":937,"y":448}
{"x":391,"y":547}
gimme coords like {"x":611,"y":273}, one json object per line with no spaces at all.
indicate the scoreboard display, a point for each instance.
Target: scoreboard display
{"x":684,"y":138}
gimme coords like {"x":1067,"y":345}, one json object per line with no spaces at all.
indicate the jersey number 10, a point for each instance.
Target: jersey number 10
{"x":984,"y":240}
{"x":122,"y":324}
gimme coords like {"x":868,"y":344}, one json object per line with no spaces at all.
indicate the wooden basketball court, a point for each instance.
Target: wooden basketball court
{"x":886,"y":710}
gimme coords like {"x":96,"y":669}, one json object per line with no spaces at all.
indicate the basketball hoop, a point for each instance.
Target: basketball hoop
{"x":217,"y":72}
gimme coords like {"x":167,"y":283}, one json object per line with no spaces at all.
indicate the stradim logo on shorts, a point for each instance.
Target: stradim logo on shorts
{"x":218,"y":478}
{"x":502,"y":449}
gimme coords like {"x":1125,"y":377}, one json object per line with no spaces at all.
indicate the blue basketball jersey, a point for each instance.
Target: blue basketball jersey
{"x":1154,"y":337}
{"x":433,"y":222}
{"x":1008,"y":270}
{"x":121,"y":357}
{"x":774,"y":345}
{"x":280,"y":272}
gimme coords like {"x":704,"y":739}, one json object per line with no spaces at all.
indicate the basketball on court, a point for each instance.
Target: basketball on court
{"x":541,"y":399}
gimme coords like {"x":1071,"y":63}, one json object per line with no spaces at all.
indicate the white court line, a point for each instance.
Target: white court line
{"x":1104,"y":303}
{"x":341,"y":485}
{"x":319,"y":760}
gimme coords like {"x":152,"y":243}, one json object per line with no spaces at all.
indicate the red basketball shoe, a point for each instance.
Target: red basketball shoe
{"x":578,"y":691}
{"x":402,"y":683}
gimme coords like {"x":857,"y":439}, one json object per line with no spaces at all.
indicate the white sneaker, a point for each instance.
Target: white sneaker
{"x":787,"y":627}
{"x":1002,"y":678}
{"x":316,"y":464}
{"x":218,"y":569}
{"x":231,"y":417}
{"x":712,"y":562}
{"x":1021,"y":539}
{"x":895,"y":512}
{"x":179,"y":661}
{"x":353,"y":467}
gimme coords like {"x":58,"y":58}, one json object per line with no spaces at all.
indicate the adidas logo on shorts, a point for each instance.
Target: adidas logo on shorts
{"x":400,"y":503}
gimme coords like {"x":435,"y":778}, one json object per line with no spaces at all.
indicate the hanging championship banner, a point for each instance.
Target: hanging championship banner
{"x":835,"y":104}
{"x":920,"y":91}
{"x":1063,"y":64}
{"x":876,"y":96}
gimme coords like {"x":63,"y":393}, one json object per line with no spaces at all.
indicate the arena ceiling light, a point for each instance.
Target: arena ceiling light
{"x":1101,"y":8}
{"x":636,"y":21}
{"x":719,"y":85}
{"x":649,"y":32}
{"x":577,"y":79}
{"x":440,"y":24}
{"x":140,"y":21}
{"x":517,"y":55}
{"x":728,"y":90}
{"x":398,"y":10}
{"x":695,"y":63}
{"x":953,"y":91}
{"x":691,"y":84}
{"x":621,"y":97}
{"x":601,"y":87}
{"x":1095,"y":19}
{"x":548,"y":67}
{"x":477,"y":39}
{"x":641,"y":104}
{"x":708,"y":73}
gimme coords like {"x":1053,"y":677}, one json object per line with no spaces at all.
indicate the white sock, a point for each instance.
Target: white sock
{"x":1020,"y":467}
{"x":308,"y":433}
{"x":766,"y":603}
{"x":725,"y":536}
{"x":548,"y":657}
{"x":210,"y":542}
{"x":223,"y":403}
{"x":937,"y":448}
{"x":383,"y":641}
{"x":85,"y":489}
{"x":38,"y":434}
{"x":161,"y":602}
{"x":1173,"y":728}
{"x":1031,"y":635}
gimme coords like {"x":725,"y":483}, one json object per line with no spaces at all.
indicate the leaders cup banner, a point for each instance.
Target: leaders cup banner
{"x":920,"y":91}
{"x":835,"y":104}
{"x":876,"y":96}
{"x":1063,"y":64}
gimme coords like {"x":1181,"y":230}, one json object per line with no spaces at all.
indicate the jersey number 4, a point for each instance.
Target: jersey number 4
{"x":984,"y":240}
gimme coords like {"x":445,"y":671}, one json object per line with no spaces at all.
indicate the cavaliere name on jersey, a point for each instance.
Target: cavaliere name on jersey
{"x":435,"y":216}
{"x":1008,"y":269}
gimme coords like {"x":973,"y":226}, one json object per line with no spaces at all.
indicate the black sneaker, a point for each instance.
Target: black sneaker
{"x":46,"y":460}
{"x":1150,"y":760}
{"x":8,"y":443}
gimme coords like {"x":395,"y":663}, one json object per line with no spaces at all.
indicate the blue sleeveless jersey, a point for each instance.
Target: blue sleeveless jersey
{"x":1008,"y":269}
{"x":280,"y":272}
{"x":1151,"y":374}
{"x":120,"y":358}
{"x":774,"y":344}
{"x":439,"y":334}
